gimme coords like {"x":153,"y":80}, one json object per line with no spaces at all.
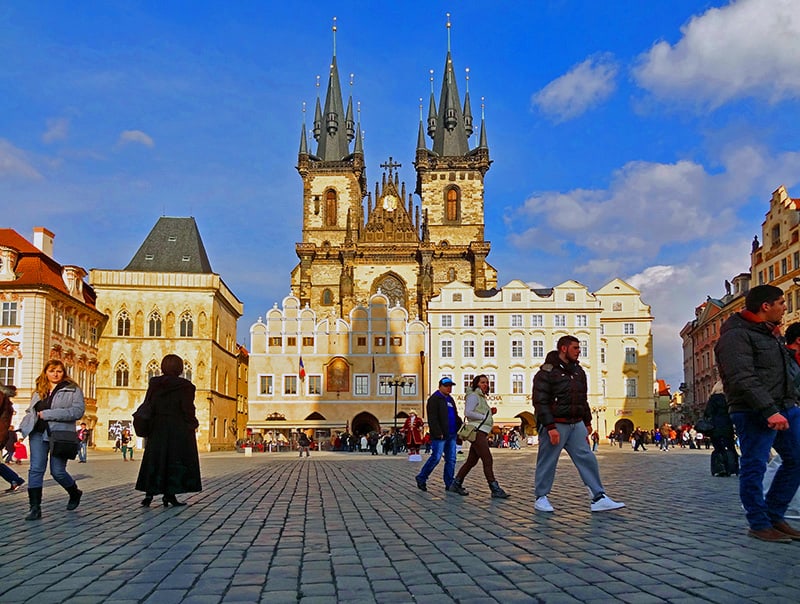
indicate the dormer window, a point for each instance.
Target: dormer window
{"x":185,"y":259}
{"x":148,"y":257}
{"x":172,"y":238}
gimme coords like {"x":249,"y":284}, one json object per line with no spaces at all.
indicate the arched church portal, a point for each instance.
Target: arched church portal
{"x":626,"y":426}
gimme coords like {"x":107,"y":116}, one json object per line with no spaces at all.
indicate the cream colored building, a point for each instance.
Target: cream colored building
{"x":47,"y":311}
{"x":325,"y":374}
{"x":168,"y":300}
{"x":507,"y":333}
{"x":776,"y":261}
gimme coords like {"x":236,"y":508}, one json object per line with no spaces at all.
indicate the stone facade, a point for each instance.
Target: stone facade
{"x":325,"y":374}
{"x":507,"y":334}
{"x":47,"y":311}
{"x":154,"y":313}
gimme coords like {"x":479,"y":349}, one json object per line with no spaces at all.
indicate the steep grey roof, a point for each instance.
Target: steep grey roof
{"x":330,"y":128}
{"x":450,"y":137}
{"x":173,"y":246}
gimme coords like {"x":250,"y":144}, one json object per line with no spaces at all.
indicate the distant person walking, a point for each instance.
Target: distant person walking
{"x":6,"y":412}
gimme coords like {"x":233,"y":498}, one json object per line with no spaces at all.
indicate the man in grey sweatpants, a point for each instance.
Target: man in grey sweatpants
{"x":564,"y":422}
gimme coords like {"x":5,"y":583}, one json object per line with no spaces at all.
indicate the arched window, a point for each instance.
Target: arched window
{"x":187,"y":371}
{"x":187,"y":325}
{"x":154,"y":325}
{"x":330,"y":207}
{"x":121,"y":375}
{"x":123,"y":324}
{"x":327,"y":297}
{"x":452,"y":203}
{"x":153,"y":370}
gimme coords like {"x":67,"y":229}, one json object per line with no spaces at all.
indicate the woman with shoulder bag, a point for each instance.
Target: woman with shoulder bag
{"x":170,"y":464}
{"x":57,"y":403}
{"x":478,"y":412}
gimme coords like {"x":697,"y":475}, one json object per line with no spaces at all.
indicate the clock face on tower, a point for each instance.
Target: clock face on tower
{"x":389,"y":203}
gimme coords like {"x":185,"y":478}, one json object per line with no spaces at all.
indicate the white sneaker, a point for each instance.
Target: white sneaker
{"x":605,"y":503}
{"x":543,"y":505}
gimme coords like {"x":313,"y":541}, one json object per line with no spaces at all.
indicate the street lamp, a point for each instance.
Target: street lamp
{"x":597,"y":411}
{"x":395,"y":383}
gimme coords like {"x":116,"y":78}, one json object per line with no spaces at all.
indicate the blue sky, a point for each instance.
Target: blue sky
{"x":634,"y":139}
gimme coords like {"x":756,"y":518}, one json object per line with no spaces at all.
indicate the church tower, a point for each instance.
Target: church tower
{"x":450,"y":183}
{"x":334,"y":185}
{"x":357,"y":243}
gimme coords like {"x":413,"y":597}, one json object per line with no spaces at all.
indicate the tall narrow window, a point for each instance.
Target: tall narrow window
{"x":154,"y":325}
{"x":121,"y":374}
{"x":153,"y":370}
{"x":330,"y":208}
{"x":187,"y":325}
{"x":451,"y":205}
{"x":9,"y":314}
{"x":187,"y":371}
{"x":7,"y":370}
{"x":123,"y":324}
{"x":327,"y":297}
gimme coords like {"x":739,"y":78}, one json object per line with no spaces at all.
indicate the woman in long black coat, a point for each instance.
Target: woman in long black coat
{"x":170,"y":464}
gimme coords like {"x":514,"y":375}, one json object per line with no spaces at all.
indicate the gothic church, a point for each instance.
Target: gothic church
{"x":358,"y":242}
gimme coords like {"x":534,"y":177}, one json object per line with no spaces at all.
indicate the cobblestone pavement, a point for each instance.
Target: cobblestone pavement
{"x":349,"y":527}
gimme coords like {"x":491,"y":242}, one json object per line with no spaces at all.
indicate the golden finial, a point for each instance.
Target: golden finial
{"x":358,"y":111}
{"x":483,"y":106}
{"x":448,"y":32}
{"x":431,"y":81}
{"x":352,"y":77}
{"x":334,"y":36}
{"x":420,"y":108}
{"x":318,"y":81}
{"x":467,"y":79}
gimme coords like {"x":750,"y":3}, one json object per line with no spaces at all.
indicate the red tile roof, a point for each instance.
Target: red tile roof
{"x":34,"y":267}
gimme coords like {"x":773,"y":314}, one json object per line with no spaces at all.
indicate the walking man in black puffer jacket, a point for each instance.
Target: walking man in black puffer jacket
{"x":564,"y":422}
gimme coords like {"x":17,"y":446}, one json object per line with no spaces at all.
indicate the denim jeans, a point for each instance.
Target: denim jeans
{"x":438,"y":447}
{"x":755,"y":441}
{"x":40,"y":451}
{"x":82,"y":450}
{"x":10,"y":475}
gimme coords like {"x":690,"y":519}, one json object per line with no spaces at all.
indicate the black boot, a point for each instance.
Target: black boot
{"x":170,"y":500}
{"x":497,"y":492}
{"x":458,"y":487}
{"x":35,"y":499}
{"x":74,"y":496}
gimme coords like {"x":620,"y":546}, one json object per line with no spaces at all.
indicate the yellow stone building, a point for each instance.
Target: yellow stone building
{"x":47,"y":311}
{"x":168,"y":300}
{"x":326,"y":374}
{"x":507,"y":333}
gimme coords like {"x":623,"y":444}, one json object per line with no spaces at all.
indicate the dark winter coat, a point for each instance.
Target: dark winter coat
{"x":170,"y":464}
{"x":559,"y":393}
{"x":438,"y":415}
{"x":752,"y":365}
{"x":717,"y":412}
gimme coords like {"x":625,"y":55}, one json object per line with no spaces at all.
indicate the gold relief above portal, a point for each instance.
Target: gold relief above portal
{"x":338,"y":375}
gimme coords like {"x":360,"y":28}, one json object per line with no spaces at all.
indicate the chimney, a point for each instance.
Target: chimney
{"x":43,"y":239}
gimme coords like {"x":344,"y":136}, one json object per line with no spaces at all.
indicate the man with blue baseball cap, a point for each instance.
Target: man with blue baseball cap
{"x":443,"y":425}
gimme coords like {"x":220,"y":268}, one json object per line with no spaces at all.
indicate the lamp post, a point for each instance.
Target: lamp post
{"x":597,"y":411}
{"x":395,"y":383}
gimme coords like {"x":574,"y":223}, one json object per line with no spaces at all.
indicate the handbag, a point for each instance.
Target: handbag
{"x":469,"y":432}
{"x":704,"y":425}
{"x":64,"y":443}
{"x":143,"y":418}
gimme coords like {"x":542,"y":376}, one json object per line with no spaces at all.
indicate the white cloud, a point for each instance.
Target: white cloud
{"x":674,"y":291}
{"x":747,"y":48}
{"x":57,"y":129}
{"x":585,"y":85}
{"x":135,"y":136}
{"x":13,"y":163}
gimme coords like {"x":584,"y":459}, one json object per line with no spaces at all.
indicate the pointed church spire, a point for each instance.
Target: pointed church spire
{"x":303,"y":143}
{"x":333,"y":143}
{"x":349,"y":123}
{"x":483,"y":144}
{"x":467,"y":110}
{"x":421,"y":134}
{"x":317,"y":116}
{"x":432,"y":112}
{"x":450,"y":139}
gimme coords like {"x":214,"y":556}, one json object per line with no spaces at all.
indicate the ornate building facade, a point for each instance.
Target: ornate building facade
{"x":356,"y":242}
{"x":47,"y":311}
{"x":168,"y":300}
{"x":507,"y":333}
